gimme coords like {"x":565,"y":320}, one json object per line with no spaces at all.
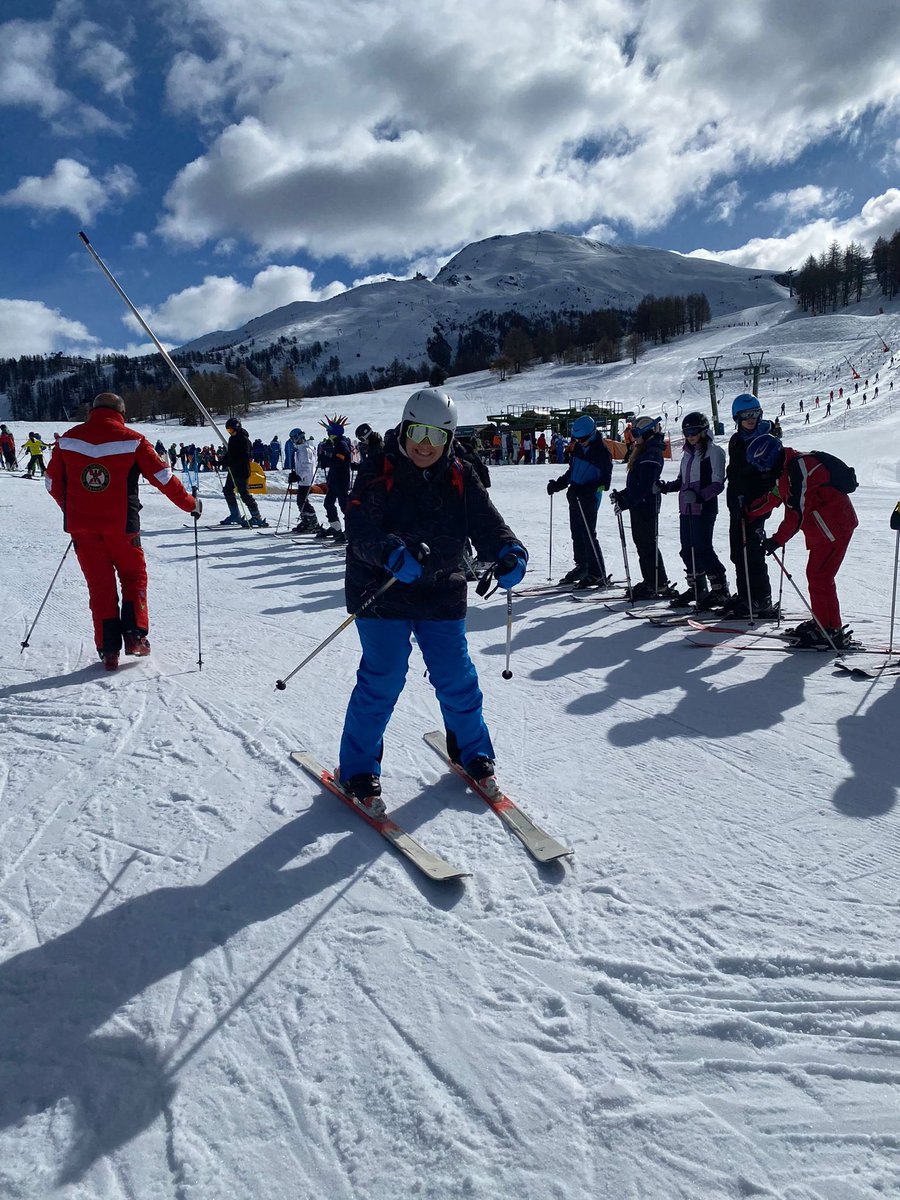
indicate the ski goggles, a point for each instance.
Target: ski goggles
{"x":749,"y":414}
{"x":427,"y":433}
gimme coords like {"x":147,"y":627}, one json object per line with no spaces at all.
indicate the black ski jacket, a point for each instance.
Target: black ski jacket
{"x":392,"y":500}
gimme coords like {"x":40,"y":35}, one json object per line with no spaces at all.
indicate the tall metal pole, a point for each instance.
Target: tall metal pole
{"x":160,"y":347}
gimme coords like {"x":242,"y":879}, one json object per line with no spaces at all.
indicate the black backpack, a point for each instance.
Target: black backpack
{"x":842,"y":477}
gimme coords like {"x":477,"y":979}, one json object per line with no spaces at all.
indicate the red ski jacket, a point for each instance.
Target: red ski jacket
{"x":812,"y":504}
{"x":94,"y":471}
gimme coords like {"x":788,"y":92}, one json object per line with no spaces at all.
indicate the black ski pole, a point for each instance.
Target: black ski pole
{"x":592,"y":542}
{"x":747,"y":571}
{"x":281,"y":684}
{"x":197,"y":575}
{"x":47,"y":597}
{"x":894,"y":592}
{"x":624,"y":547}
{"x":507,"y":674}
{"x":550,"y":556}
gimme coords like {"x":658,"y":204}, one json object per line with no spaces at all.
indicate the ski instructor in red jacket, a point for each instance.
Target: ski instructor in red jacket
{"x":93,"y":477}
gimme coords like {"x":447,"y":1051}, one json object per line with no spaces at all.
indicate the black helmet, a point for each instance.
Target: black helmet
{"x":694,"y":422}
{"x":363,"y":431}
{"x":232,"y":423}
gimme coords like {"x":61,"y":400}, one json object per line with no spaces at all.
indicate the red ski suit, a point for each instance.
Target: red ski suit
{"x":827,"y":519}
{"x":93,"y":476}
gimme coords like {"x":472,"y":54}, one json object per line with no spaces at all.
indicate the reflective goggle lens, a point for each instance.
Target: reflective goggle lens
{"x":427,"y":433}
{"x":748,"y":413}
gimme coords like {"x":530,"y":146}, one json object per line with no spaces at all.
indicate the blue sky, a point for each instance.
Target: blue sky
{"x":227,"y":156}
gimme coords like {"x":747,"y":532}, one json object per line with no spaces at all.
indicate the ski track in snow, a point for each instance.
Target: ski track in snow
{"x":215,"y":981}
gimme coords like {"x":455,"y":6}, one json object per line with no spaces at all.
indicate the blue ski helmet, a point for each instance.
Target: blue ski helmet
{"x":746,"y":402}
{"x":583,"y":426}
{"x":765,"y":452}
{"x":645,"y":427}
{"x":297,"y":433}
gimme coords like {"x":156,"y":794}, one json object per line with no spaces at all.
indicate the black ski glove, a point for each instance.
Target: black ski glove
{"x":895,"y":517}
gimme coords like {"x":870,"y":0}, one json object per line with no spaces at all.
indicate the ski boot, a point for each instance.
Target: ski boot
{"x":137,"y":644}
{"x":258,"y":522}
{"x":110,"y":659}
{"x":366,"y":793}
{"x":574,"y":576}
{"x":481,"y":769}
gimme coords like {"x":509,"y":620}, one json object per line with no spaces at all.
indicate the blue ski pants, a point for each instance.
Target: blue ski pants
{"x":386,"y":646}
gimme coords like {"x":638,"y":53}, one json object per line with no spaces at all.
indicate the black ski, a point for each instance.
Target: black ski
{"x":429,"y":864}
{"x":539,"y":844}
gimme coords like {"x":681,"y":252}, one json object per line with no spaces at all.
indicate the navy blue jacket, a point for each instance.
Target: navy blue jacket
{"x":590,"y":467}
{"x":337,"y":478}
{"x":442,"y":506}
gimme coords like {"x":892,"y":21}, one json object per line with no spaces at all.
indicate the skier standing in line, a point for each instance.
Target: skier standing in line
{"x":93,"y":477}
{"x":337,"y":478}
{"x":303,"y":456}
{"x":641,"y":497}
{"x":744,"y":485}
{"x":589,"y":474}
{"x":826,"y":516}
{"x":418,"y":493}
{"x":701,"y":478}
{"x":237,"y":466}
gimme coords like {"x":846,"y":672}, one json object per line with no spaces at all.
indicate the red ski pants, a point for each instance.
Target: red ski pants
{"x":825,"y":559}
{"x":102,"y":557}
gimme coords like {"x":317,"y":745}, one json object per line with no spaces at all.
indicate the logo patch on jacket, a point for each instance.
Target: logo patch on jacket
{"x":95,"y":478}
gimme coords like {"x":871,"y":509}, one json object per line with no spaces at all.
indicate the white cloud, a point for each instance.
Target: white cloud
{"x":221,"y":302}
{"x":30,"y":327}
{"x":98,"y":58}
{"x":70,"y":187}
{"x":878,"y":217}
{"x":800,"y":201}
{"x":36,"y":53}
{"x":368,"y":135}
{"x":727,"y":201}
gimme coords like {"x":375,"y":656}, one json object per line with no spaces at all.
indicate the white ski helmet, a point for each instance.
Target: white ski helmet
{"x":430,"y":406}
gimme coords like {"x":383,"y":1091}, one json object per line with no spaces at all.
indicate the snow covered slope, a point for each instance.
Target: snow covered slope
{"x":536,"y":273}
{"x":215,"y":981}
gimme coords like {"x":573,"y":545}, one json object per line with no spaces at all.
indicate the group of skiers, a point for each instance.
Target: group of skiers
{"x":760,"y":474}
{"x":419,"y":499}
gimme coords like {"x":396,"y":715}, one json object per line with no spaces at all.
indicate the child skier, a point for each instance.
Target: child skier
{"x":589,"y":474}
{"x":744,"y":485}
{"x":700,"y":480}
{"x":641,"y":497}
{"x":337,"y":477}
{"x":418,"y":494}
{"x":826,"y":516}
{"x":303,"y":457}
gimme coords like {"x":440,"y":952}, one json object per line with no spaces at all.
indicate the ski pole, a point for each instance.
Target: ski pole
{"x":894,"y":594}
{"x":281,"y":510}
{"x":592,"y":542}
{"x":624,"y":548}
{"x":197,"y":575}
{"x":790,"y":578}
{"x":747,"y":571}
{"x":550,"y":556}
{"x":507,"y":674}
{"x":47,"y":597}
{"x":281,"y":684}
{"x":780,"y":591}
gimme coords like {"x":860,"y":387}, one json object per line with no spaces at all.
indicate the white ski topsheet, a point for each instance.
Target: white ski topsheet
{"x":216,"y":981}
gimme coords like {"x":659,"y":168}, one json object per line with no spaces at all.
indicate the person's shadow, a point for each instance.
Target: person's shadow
{"x":867,"y":744}
{"x":53,"y":997}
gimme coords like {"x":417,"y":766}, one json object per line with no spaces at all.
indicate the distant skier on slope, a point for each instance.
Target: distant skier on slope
{"x":93,"y":477}
{"x":418,"y":492}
